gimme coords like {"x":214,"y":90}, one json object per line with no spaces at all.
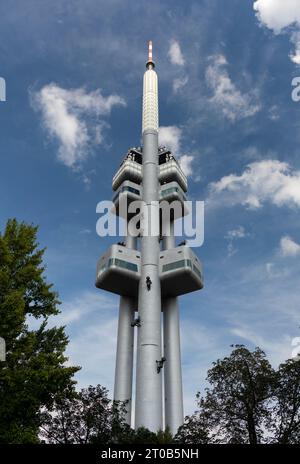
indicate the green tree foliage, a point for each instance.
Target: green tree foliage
{"x":34,"y":372}
{"x":87,"y":416}
{"x":145,"y":436}
{"x":164,"y":437}
{"x":246,"y":402}
{"x":195,"y":430}
{"x":138,"y":436}
{"x":237,"y":406}
{"x":286,"y":410}
{"x":90,"y":417}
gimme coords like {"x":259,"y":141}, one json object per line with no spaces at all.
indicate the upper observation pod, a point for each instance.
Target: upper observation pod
{"x":150,"y":95}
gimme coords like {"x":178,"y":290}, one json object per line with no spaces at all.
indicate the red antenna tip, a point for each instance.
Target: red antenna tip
{"x":150,"y":51}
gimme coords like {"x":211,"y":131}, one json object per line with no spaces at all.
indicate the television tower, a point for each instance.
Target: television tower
{"x":149,"y":272}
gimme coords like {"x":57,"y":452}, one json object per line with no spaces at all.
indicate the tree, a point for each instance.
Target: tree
{"x":165,"y":437}
{"x":139,"y":436}
{"x":34,"y":373}
{"x":87,"y":416}
{"x":143,"y":435}
{"x":237,"y":405}
{"x":90,"y":417}
{"x":194,"y":431}
{"x":286,"y":411}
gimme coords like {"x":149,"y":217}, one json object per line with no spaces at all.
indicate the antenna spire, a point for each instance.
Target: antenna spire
{"x":150,"y":62}
{"x":150,"y":50}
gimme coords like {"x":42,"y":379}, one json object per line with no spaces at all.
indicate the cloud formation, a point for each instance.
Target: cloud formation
{"x":91,"y":318}
{"x":179,"y":82}
{"x":233,"y":235}
{"x":288,"y":247}
{"x":268,"y":181}
{"x":175,"y":55}
{"x":185,"y":162}
{"x":281,"y":16}
{"x":73,"y":118}
{"x":170,"y":136}
{"x":226,"y":97}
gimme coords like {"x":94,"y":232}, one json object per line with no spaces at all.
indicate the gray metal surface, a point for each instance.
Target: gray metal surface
{"x":113,"y":278}
{"x":148,"y":381}
{"x":184,"y":279}
{"x":125,"y":346}
{"x":124,"y":358}
{"x":172,"y":369}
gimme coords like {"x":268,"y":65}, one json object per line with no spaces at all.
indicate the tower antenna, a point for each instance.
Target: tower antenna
{"x":150,"y":63}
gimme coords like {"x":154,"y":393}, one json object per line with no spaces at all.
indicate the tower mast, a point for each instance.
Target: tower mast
{"x":148,"y":412}
{"x":147,"y":278}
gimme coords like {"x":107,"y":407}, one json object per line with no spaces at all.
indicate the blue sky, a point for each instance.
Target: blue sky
{"x":73,"y":72}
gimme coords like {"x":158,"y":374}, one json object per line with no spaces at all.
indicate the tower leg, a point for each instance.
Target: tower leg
{"x":125,"y":347}
{"x":124,"y":359}
{"x":172,"y":368}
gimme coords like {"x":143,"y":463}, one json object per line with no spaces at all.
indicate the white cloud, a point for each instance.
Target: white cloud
{"x":276,"y":271}
{"x":176,"y":57}
{"x":295,"y":57}
{"x":72,"y":117}
{"x":91,"y":324}
{"x":179,"y":82}
{"x":85,"y":231}
{"x":196,"y":358}
{"x":185,"y":162}
{"x":175,"y":53}
{"x":170,"y":136}
{"x":239,"y":232}
{"x":270,"y":270}
{"x":277,"y":14}
{"x":226,"y":97}
{"x":231,"y":236}
{"x":288,"y":247}
{"x":274,"y":113}
{"x":278,"y":349}
{"x":81,"y":306}
{"x":268,"y":181}
{"x":94,"y":348}
{"x":281,"y":16}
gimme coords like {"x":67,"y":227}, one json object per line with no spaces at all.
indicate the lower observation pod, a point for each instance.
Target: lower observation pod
{"x":118,"y":271}
{"x":180,"y":271}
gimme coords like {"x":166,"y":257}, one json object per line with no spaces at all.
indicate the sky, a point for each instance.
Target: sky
{"x":73,"y":73}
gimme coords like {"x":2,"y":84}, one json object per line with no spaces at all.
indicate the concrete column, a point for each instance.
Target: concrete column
{"x":172,"y":367}
{"x":148,"y":380}
{"x":125,"y":346}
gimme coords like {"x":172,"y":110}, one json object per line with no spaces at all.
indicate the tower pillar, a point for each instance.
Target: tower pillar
{"x":172,"y":368}
{"x":148,"y":379}
{"x":125,"y":347}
